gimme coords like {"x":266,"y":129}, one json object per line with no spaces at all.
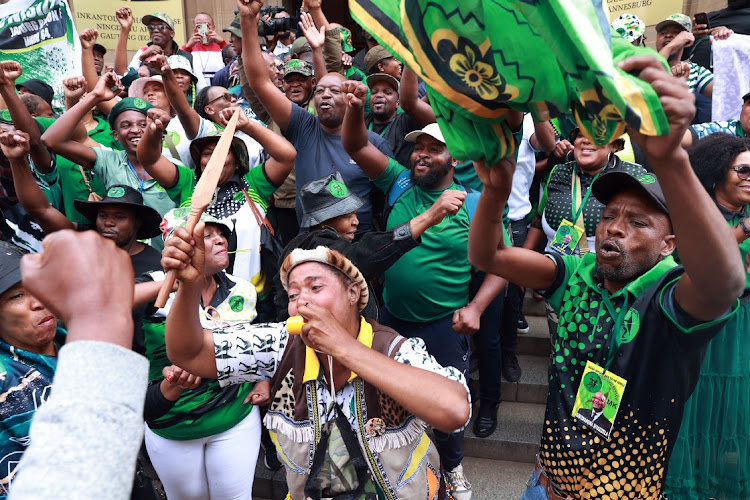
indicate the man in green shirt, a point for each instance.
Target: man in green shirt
{"x":633,"y":325}
{"x":163,"y":183}
{"x":427,"y":290}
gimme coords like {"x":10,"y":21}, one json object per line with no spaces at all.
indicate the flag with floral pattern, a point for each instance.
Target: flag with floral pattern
{"x":480,"y":58}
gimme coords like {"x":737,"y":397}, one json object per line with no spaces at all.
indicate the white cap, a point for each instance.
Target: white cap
{"x":433,"y":130}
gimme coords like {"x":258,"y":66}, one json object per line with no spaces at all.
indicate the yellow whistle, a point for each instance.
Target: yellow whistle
{"x":294,"y":325}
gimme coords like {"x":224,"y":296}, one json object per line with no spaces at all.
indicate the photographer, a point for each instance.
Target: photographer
{"x":276,"y":28}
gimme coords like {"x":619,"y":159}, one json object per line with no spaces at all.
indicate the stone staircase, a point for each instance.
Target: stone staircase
{"x":498,"y":465}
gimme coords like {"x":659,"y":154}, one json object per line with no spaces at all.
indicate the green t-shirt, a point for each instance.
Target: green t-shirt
{"x":71,"y":181}
{"x":112,"y":167}
{"x":199,"y":412}
{"x":441,"y":284}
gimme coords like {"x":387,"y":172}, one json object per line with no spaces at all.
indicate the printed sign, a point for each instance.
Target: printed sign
{"x":41,"y":37}
{"x":101,"y":17}
{"x":649,"y":11}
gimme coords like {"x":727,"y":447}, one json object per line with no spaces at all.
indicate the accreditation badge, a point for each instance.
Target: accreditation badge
{"x":598,"y":399}
{"x":566,"y":238}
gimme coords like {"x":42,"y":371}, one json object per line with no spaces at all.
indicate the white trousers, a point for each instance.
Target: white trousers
{"x":219,"y":467}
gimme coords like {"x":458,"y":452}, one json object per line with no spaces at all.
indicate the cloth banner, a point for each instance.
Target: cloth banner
{"x":481,"y":57}
{"x":731,"y":76}
{"x":41,"y":37}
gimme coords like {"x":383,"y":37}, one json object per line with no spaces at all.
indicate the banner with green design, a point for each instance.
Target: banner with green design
{"x":481,"y":57}
{"x":41,"y":37}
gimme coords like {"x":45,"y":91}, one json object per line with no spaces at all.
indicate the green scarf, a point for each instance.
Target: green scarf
{"x":481,"y":57}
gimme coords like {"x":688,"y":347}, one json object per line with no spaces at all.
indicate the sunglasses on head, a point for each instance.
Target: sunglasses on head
{"x":159,"y":27}
{"x":743,"y":171}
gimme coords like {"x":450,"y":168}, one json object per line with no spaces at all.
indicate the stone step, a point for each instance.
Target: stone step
{"x":496,"y":479}
{"x":536,"y":342}
{"x":516,"y":439}
{"x":268,"y":485}
{"x":533,"y":385}
{"x":532,"y":306}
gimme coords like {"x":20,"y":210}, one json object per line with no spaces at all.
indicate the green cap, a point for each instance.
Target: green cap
{"x":680,"y":20}
{"x":298,"y":66}
{"x":158,"y":16}
{"x":299,"y":46}
{"x":235,"y":28}
{"x":128,"y":104}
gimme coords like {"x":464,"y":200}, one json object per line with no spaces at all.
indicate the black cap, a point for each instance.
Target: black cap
{"x":611,"y":183}
{"x":100,"y":48}
{"x":38,"y":87}
{"x":125,"y":196}
{"x":745,"y":97}
{"x":326,"y":198}
{"x":10,"y":265}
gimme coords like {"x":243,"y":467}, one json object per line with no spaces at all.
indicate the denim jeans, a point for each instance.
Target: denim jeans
{"x":534,"y":489}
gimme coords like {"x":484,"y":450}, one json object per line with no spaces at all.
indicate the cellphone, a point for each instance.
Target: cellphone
{"x":702,"y":18}
{"x":203,"y":30}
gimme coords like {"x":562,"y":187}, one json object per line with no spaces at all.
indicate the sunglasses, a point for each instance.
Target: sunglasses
{"x":159,"y":27}
{"x":226,"y":95}
{"x":743,"y":171}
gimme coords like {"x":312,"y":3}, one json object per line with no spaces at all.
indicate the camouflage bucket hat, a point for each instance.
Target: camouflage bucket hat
{"x":238,"y":147}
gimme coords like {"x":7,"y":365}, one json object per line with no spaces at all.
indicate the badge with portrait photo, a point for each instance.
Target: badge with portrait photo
{"x":598,"y":399}
{"x":566,"y":238}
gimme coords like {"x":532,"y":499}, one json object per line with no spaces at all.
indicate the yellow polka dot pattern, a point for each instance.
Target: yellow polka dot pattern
{"x":630,"y":464}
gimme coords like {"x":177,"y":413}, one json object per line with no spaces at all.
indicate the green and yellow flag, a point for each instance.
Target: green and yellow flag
{"x":480,"y":58}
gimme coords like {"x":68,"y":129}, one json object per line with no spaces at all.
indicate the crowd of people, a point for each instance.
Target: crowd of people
{"x":339,"y":207}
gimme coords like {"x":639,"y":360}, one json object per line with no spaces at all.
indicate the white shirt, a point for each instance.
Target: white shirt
{"x":519,"y":204}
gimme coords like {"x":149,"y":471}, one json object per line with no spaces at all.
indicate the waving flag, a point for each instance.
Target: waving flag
{"x":480,"y":58}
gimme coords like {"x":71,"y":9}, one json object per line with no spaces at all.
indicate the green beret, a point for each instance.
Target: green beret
{"x":128,"y":104}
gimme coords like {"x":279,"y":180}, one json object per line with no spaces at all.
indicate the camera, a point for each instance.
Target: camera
{"x":273,"y":26}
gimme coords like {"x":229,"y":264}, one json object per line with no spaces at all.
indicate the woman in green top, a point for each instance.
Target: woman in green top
{"x":202,"y":441}
{"x":711,"y":457}
{"x":568,"y":214}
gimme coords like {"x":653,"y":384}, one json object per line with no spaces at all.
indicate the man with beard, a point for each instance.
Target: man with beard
{"x":317,"y":138}
{"x":433,"y":303}
{"x":632,"y":323}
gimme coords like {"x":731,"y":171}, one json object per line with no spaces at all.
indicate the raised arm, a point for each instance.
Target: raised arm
{"x":125,"y":17}
{"x":88,"y":39}
{"x":188,"y":345}
{"x":149,"y":150}
{"x":543,"y":138}
{"x":22,"y":119}
{"x":281,"y":152}
{"x":189,"y":118}
{"x":408,"y":95}
{"x":487,"y":249}
{"x":59,"y":136}
{"x":275,"y":102}
{"x":15,"y":146}
{"x":331,"y":47}
{"x":354,"y":136}
{"x":705,"y":291}
{"x":316,"y":39}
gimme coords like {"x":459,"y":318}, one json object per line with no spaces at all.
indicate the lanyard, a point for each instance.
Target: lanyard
{"x":141,"y":180}
{"x":383,"y":132}
{"x":614,"y":345}
{"x":574,"y":187}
